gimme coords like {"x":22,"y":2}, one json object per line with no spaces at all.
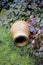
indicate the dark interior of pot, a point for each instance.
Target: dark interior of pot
{"x":20,"y":39}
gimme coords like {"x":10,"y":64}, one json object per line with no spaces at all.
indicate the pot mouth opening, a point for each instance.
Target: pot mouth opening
{"x":20,"y":39}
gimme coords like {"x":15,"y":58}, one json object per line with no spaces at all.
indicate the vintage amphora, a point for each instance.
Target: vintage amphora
{"x":20,"y":33}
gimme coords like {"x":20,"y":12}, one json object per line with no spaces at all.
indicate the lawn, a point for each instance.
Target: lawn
{"x":11,"y":54}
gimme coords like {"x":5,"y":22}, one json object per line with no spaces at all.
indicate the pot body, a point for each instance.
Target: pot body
{"x":20,"y":32}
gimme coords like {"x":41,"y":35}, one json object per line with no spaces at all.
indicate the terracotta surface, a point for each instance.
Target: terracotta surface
{"x":20,"y":32}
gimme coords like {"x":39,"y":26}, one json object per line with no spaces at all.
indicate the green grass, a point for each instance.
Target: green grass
{"x":11,"y":54}
{"x":2,"y":12}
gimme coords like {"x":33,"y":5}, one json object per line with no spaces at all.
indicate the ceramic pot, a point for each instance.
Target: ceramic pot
{"x":20,"y":33}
